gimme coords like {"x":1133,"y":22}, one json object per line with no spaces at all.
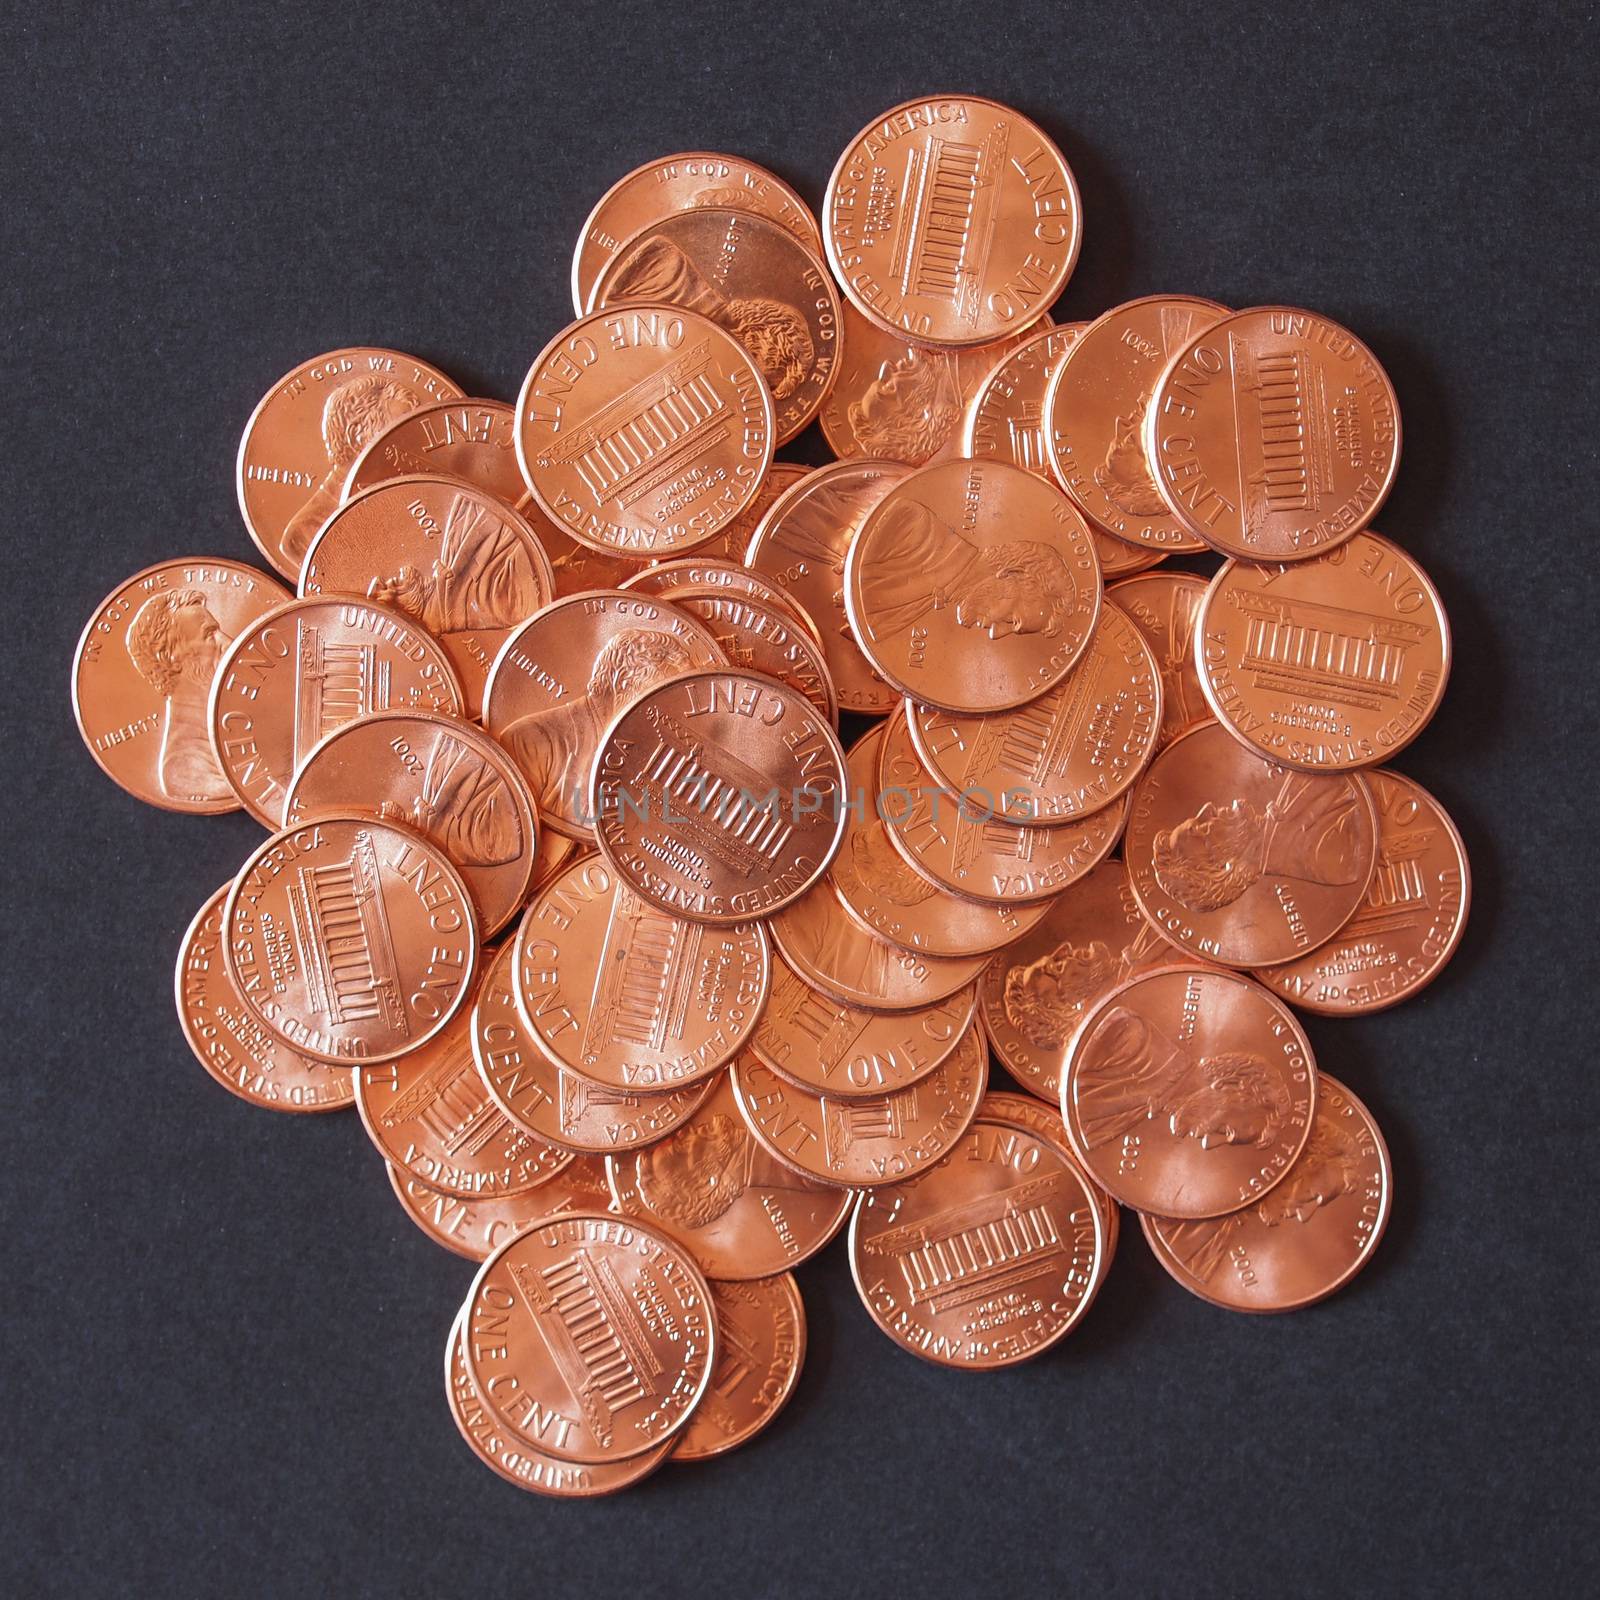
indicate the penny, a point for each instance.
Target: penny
{"x":667,"y":580}
{"x":973,"y":585}
{"x":1188,"y":1092}
{"x":1095,"y":412}
{"x":231,"y":1045}
{"x":472,"y":440}
{"x":305,"y":668}
{"x":1034,"y":995}
{"x":630,"y":996}
{"x":1410,"y":923}
{"x":1309,"y":1237}
{"x":565,"y":673}
{"x":352,"y":940}
{"x":1073,"y":751}
{"x":591,"y":1336}
{"x":963,"y":843}
{"x":577,"y":568}
{"x":441,"y":776}
{"x":1273,"y":435}
{"x":1163,"y":606}
{"x":755,"y":280}
{"x":644,"y":431}
{"x":1242,"y":862}
{"x":731,"y":543}
{"x":761,"y":1346}
{"x":305,"y":435}
{"x":552,"y":854}
{"x":682,"y":183}
{"x":1329,"y":664}
{"x":547,"y":1100}
{"x":801,"y":544}
{"x":719,"y":796}
{"x":713,"y":1189}
{"x":858,"y":1141}
{"x":986,"y":1260}
{"x":142,"y":673}
{"x":952,"y":220}
{"x":454,"y":559}
{"x":836,"y":1049}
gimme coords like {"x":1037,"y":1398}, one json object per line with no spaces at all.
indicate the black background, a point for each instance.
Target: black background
{"x":223,"y":1340}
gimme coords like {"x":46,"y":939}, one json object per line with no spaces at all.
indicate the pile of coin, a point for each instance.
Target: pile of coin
{"x":644,"y":984}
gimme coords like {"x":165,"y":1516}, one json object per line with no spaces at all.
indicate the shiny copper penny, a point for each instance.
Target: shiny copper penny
{"x":303,"y":438}
{"x":988,"y":1259}
{"x":952,"y":220}
{"x":711,"y":1187}
{"x":1273,"y":434}
{"x":1408,"y":926}
{"x":1329,"y":664}
{"x":451,"y":557}
{"x":547,"y":1100}
{"x":836,"y":1049}
{"x":441,"y":776}
{"x":1034,"y":995}
{"x":1163,"y":606}
{"x":231,"y":1045}
{"x":1246,"y":863}
{"x":752,"y":278}
{"x":1310,"y":1236}
{"x":1073,"y":751}
{"x":644,"y":431}
{"x":862,"y":1142}
{"x":473,"y":440}
{"x":726,"y":575}
{"x":973,"y":585}
{"x":1188,"y":1092}
{"x":630,"y":996}
{"x":591,"y":1336}
{"x":562,"y":676}
{"x":142,"y":673}
{"x":719,"y":796}
{"x":761,"y":1346}
{"x":963,"y":843}
{"x":305,"y":668}
{"x":676,"y":183}
{"x":1095,"y":411}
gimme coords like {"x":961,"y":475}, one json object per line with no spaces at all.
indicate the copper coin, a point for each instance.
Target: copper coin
{"x":591,"y":1336}
{"x":1188,"y":1092}
{"x":473,"y":440}
{"x":1408,"y":926}
{"x":553,"y":853}
{"x":564,"y":674}
{"x":952,"y":220}
{"x":305,"y":668}
{"x":1163,"y":606}
{"x":644,"y":431}
{"x":761,"y":1345}
{"x":1273,"y":434}
{"x":836,"y":1049}
{"x":666,"y":580}
{"x":231,"y":1045}
{"x":988,"y":1259}
{"x":752,"y":278}
{"x":1310,"y":1236}
{"x":973,"y":585}
{"x":1328,"y":664}
{"x":1246,"y":863}
{"x":858,"y":1141}
{"x":454,"y":559}
{"x":577,"y":568}
{"x":352,"y":940}
{"x":1095,"y":413}
{"x":682,"y":183}
{"x":142,"y":673}
{"x":1071,"y":752}
{"x":711,"y":1187}
{"x":801,"y":544}
{"x":731,"y":543}
{"x":630,"y":996}
{"x":963,"y":843}
{"x":303,"y":438}
{"x":719,"y":796}
{"x":547,"y":1100}
{"x":1034,"y":995}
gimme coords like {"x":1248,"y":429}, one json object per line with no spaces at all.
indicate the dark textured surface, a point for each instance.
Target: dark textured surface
{"x":222,"y":1359}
